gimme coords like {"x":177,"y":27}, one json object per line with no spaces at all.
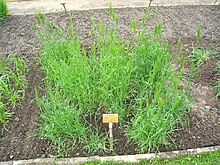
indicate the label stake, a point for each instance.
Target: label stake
{"x":110,"y":119}
{"x":64,"y":6}
{"x":111,"y":135}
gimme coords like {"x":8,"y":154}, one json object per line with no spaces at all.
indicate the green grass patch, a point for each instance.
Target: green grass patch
{"x":12,"y":85}
{"x":113,"y":77}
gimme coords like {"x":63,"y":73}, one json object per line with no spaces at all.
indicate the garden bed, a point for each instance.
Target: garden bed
{"x":16,"y":36}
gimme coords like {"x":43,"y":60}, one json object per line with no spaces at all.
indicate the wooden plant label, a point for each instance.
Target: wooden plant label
{"x":110,"y":118}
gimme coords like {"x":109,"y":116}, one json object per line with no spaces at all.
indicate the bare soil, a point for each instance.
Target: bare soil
{"x":203,"y":128}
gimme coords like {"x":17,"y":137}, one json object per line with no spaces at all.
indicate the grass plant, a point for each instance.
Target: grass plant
{"x":112,"y":77}
{"x":199,"y":56}
{"x":12,"y":85}
{"x":217,"y":86}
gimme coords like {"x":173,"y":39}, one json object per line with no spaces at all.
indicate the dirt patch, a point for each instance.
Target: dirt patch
{"x":19,"y":137}
{"x":17,"y":37}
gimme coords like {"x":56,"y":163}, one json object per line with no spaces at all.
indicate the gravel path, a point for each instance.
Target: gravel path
{"x":20,"y":7}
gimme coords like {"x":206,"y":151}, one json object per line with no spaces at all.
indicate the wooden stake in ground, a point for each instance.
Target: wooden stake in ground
{"x":64,"y":6}
{"x":110,"y":118}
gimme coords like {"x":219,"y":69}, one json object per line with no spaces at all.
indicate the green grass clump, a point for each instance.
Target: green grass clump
{"x":3,"y":9}
{"x":113,"y":77}
{"x":12,"y":85}
{"x":199,"y":56}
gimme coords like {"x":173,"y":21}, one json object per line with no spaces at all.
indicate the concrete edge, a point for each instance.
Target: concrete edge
{"x":105,"y":7}
{"x":122,"y":158}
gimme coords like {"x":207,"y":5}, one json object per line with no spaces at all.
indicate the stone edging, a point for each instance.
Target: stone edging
{"x":123,"y":158}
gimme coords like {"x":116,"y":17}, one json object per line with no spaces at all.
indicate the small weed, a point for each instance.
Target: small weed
{"x":199,"y":56}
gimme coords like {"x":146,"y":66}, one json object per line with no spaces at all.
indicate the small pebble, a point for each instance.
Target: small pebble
{"x":208,"y":108}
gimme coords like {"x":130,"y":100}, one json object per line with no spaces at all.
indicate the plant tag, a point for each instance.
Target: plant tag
{"x":110,"y":118}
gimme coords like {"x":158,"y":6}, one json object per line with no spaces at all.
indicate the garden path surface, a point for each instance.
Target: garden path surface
{"x":20,"y":7}
{"x":16,"y":36}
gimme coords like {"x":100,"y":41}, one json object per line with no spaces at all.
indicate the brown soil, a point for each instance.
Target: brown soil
{"x":16,"y":36}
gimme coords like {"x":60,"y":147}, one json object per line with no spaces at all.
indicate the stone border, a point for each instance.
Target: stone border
{"x":123,"y":158}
